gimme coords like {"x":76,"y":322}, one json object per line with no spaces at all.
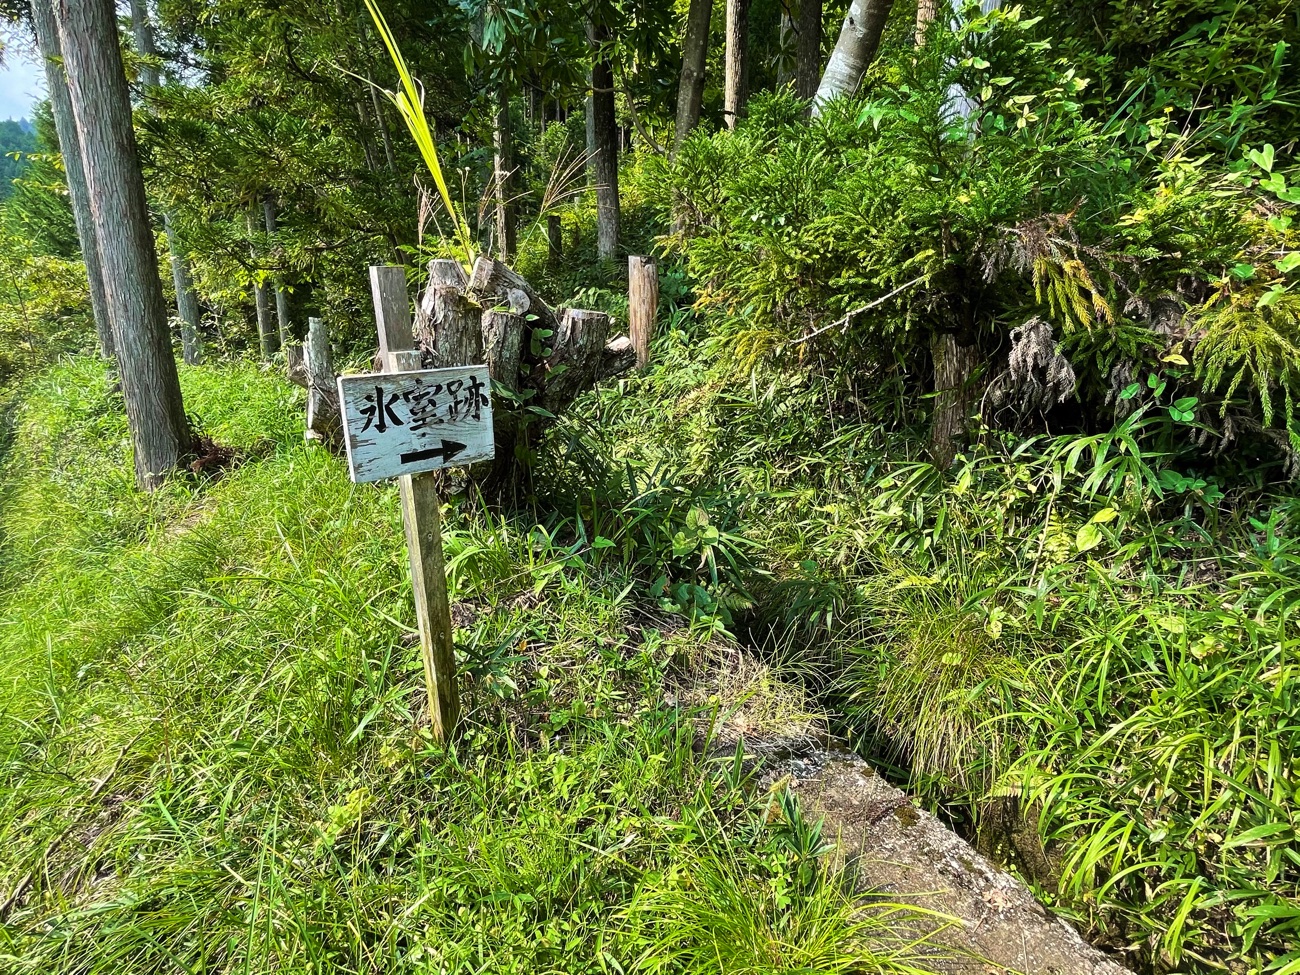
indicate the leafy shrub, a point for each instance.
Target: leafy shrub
{"x":1027,"y":230}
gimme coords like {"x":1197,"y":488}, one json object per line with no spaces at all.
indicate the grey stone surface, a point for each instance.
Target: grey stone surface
{"x":901,"y":853}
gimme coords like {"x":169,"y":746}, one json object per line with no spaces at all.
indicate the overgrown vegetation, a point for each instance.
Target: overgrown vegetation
{"x":1077,"y":641}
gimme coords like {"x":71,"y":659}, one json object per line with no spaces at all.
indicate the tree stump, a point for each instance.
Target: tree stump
{"x":539,"y":361}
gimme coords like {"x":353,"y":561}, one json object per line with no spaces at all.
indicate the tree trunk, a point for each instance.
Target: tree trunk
{"x":604,"y":130}
{"x":809,"y":67}
{"x":143,"y":32}
{"x":101,"y":103}
{"x":736,"y":81}
{"x":503,"y":164}
{"x":383,"y":127}
{"x":854,"y":50}
{"x":926,"y":11}
{"x":267,"y":336}
{"x":785,"y":64}
{"x":954,"y":395}
{"x":47,"y":39}
{"x":187,"y":302}
{"x":281,"y":296}
{"x":695,"y":51}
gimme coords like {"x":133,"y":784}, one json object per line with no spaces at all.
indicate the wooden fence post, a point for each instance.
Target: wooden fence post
{"x":322,"y":395}
{"x":420,"y":515}
{"x":642,"y":304}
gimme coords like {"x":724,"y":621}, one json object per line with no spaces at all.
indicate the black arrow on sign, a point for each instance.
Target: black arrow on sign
{"x":448,"y":450}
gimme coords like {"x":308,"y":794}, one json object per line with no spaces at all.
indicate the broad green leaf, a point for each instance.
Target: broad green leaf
{"x":1088,"y":538}
{"x":1263,"y":159}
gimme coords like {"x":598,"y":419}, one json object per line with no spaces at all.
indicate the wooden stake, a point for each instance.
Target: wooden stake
{"x":642,"y":304}
{"x":322,"y":395}
{"x":420,"y":515}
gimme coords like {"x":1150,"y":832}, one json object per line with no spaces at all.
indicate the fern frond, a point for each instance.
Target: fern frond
{"x":1245,"y":345}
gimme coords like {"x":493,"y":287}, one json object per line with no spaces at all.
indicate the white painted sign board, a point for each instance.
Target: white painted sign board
{"x":407,"y":422}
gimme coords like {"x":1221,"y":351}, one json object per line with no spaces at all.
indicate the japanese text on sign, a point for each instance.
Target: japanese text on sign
{"x":408,"y":422}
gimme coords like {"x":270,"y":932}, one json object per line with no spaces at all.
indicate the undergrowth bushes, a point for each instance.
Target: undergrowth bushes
{"x":1097,"y":630}
{"x":968,"y":196}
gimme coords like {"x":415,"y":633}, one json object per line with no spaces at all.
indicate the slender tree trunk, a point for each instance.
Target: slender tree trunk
{"x":187,"y":302}
{"x":695,"y":51}
{"x":604,"y":130}
{"x":65,"y":124}
{"x":383,"y":128}
{"x":854,"y":50}
{"x":785,"y":65}
{"x":809,"y":52}
{"x":736,"y":83}
{"x":503,"y":162}
{"x":282,"y":318}
{"x":926,"y":11}
{"x":955,"y":364}
{"x":268,"y":336}
{"x":143,"y":32}
{"x":101,"y":103}
{"x":954,"y":369}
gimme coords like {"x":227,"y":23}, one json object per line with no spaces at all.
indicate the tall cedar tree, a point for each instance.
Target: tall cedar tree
{"x":808,"y":49}
{"x":695,"y":52}
{"x":604,"y":134}
{"x":736,"y":81}
{"x":101,"y":104}
{"x":65,"y":126}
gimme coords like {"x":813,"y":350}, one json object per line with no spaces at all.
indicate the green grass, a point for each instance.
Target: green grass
{"x":211,"y":755}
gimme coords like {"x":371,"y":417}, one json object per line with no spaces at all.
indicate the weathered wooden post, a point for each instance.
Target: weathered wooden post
{"x":642,"y":305}
{"x":322,"y":397}
{"x":420,"y":514}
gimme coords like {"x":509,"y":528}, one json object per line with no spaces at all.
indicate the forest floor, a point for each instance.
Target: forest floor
{"x":208,"y":759}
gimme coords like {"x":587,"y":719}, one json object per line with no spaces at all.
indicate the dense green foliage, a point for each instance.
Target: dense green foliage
{"x":16,"y":140}
{"x":1078,"y":642}
{"x":1076,"y":629}
{"x":1075,"y":263}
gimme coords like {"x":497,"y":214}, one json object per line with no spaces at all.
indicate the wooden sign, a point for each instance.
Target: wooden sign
{"x":410,"y":422}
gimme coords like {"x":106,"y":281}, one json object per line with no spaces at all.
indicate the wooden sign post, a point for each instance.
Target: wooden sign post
{"x":455,"y":427}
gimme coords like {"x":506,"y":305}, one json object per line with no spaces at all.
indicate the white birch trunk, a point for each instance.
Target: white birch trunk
{"x":854,"y":50}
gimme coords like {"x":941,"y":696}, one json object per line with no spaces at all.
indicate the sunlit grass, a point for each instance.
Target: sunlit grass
{"x":211,"y":755}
